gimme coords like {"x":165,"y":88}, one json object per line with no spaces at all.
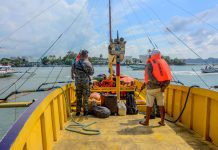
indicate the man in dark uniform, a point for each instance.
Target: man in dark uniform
{"x":81,"y":72}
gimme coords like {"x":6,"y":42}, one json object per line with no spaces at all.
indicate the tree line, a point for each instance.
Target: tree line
{"x":15,"y":62}
{"x":70,"y":57}
{"x":175,"y":61}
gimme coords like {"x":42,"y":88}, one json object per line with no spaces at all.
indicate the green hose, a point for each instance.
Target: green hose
{"x":84,"y":127}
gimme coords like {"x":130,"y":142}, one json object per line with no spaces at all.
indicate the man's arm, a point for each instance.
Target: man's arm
{"x":89,"y":68}
{"x":143,"y":86}
{"x":164,"y":85}
{"x":151,"y":78}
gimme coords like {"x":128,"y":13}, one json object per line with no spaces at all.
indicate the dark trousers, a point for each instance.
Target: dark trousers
{"x":82,"y":96}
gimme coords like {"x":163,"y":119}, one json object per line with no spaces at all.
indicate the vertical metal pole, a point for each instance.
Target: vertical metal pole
{"x":110,"y":64}
{"x":110,"y":30}
{"x":118,"y":70}
{"x":118,"y":77}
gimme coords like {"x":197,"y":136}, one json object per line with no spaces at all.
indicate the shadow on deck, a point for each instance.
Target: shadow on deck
{"x":124,"y":132}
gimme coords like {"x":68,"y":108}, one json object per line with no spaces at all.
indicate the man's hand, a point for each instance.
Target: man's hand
{"x":72,"y":76}
{"x":143,"y":86}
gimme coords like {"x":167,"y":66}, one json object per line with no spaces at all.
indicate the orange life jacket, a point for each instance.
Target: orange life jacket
{"x":107,"y":83}
{"x":161,"y":70}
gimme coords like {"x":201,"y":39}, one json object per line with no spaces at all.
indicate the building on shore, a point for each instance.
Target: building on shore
{"x":143,"y":58}
{"x":28,"y":58}
{"x":127,"y":60}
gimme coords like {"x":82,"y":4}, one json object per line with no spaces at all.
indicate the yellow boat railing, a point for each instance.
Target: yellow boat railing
{"x":40,"y":125}
{"x":201,"y":110}
{"x":200,"y":113}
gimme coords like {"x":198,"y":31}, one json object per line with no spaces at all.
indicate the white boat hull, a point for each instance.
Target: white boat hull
{"x":214,"y":70}
{"x":8,"y":74}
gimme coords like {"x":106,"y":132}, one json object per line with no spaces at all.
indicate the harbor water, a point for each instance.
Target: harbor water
{"x":188,"y":74}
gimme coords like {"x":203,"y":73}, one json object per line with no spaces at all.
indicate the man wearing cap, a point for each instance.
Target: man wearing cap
{"x":157,"y":77}
{"x":81,"y":71}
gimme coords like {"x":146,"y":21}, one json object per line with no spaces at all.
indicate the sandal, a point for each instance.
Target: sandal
{"x":161,"y":124}
{"x":143,"y":123}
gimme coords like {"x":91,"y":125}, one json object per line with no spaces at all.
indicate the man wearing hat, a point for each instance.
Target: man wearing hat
{"x":81,"y":71}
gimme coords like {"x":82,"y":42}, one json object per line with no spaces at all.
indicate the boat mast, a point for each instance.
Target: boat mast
{"x":110,"y":30}
{"x":116,"y":49}
{"x":115,"y":56}
{"x":110,"y":62}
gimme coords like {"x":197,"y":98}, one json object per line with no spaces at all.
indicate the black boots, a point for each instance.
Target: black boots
{"x":85,"y":113}
{"x":77,"y":113}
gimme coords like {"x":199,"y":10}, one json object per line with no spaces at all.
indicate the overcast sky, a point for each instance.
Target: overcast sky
{"x":134,"y":20}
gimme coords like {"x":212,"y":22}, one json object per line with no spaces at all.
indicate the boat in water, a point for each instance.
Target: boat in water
{"x":50,"y":122}
{"x":137,"y":67}
{"x":209,"y":69}
{"x":6,"y":71}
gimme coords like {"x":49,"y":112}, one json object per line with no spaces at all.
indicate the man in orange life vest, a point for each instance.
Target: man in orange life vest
{"x":157,"y":77}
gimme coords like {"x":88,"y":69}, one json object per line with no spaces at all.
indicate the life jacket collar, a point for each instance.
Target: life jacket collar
{"x":153,"y":57}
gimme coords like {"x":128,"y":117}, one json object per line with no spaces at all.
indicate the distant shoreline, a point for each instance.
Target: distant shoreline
{"x":107,"y":65}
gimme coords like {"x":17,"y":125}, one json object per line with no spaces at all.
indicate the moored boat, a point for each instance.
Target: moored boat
{"x":209,"y":69}
{"x":137,"y":67}
{"x":43,"y":124}
{"x":6,"y":71}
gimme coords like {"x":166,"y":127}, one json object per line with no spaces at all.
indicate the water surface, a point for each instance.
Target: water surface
{"x":8,"y":116}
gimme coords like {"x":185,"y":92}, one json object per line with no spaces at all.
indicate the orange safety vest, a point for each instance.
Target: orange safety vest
{"x":161,"y":70}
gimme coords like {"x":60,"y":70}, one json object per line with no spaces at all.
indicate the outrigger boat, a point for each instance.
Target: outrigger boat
{"x":43,"y":124}
{"x":6,"y":71}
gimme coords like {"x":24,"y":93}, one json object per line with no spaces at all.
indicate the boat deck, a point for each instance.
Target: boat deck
{"x":124,"y":132}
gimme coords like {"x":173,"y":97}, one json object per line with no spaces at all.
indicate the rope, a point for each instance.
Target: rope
{"x":85,"y":130}
{"x":171,"y":32}
{"x":175,"y":36}
{"x":39,"y":89}
{"x":13,"y":82}
{"x":57,"y":76}
{"x":74,"y":20}
{"x":152,"y":43}
{"x":83,"y":127}
{"x":201,"y":78}
{"x":49,"y":74}
{"x":67,"y":29}
{"x":175,"y":78}
{"x":192,"y":50}
{"x":130,"y":5}
{"x":188,"y":12}
{"x":124,"y":8}
{"x":177,"y":82}
{"x":62,"y":66}
{"x":46,"y":83}
{"x":15,"y":109}
{"x":28,"y":21}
